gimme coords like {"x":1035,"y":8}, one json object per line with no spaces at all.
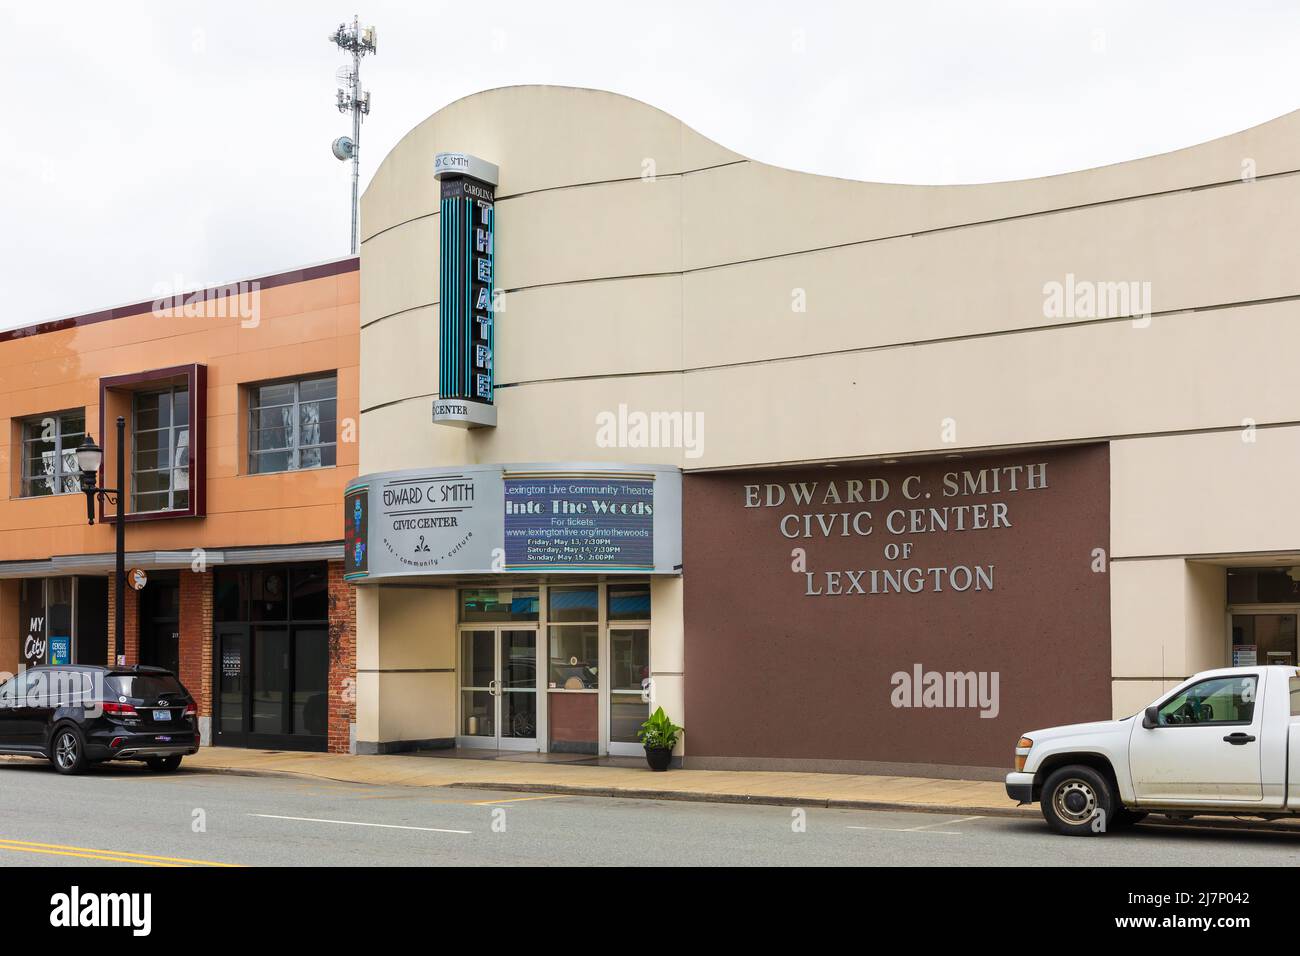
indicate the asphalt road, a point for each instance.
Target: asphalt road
{"x":126,"y":816}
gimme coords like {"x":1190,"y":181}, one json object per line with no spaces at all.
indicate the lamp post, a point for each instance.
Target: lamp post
{"x":90,"y":457}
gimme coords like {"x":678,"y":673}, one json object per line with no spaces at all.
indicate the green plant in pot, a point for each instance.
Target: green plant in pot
{"x":659,"y":736}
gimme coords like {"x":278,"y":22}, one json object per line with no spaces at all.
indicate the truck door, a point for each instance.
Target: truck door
{"x":1205,"y":747}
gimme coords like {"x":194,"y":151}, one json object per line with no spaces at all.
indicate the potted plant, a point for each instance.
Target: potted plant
{"x":659,"y":735}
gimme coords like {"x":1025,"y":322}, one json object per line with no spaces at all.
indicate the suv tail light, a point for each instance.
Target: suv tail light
{"x":191,"y":709}
{"x":119,"y":710}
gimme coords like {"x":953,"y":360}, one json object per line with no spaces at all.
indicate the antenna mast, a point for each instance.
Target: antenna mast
{"x":358,"y":41}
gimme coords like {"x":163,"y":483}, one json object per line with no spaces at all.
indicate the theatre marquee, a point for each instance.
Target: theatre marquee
{"x":500,"y":519}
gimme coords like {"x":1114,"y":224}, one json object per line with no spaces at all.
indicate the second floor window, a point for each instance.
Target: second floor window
{"x":160,"y":450}
{"x":292,"y":424}
{"x":50,"y":454}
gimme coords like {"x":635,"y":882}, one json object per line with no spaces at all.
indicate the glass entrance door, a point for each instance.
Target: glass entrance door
{"x":160,"y":629}
{"x":271,"y":686}
{"x":232,"y":680}
{"x":1263,"y":638}
{"x":629,"y":687}
{"x":498,"y":688}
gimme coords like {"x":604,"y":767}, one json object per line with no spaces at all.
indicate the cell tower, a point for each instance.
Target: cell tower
{"x":358,"y":41}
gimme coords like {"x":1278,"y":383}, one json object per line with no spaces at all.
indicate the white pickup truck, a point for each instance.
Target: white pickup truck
{"x":1221,"y":742}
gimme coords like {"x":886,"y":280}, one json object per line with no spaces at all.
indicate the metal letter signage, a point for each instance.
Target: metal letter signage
{"x":466,"y":266}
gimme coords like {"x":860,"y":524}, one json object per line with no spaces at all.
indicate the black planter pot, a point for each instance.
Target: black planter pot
{"x":658,"y":757}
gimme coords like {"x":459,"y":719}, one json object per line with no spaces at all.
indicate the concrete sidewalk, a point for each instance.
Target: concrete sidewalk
{"x":718,"y":786}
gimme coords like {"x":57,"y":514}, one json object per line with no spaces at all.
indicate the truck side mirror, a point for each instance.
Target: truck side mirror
{"x":1151,"y":717}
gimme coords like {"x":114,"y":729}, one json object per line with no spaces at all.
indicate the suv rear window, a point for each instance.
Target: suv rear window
{"x":145,"y":686}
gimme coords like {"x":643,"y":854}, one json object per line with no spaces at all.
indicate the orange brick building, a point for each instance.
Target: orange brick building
{"x":241,"y":411}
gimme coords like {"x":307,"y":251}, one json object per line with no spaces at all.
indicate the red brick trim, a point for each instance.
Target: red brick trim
{"x":342,"y":659}
{"x":196,"y":637}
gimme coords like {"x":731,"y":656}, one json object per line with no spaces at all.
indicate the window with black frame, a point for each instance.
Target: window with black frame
{"x":49,"y":453}
{"x":293,"y":425}
{"x":160,"y":450}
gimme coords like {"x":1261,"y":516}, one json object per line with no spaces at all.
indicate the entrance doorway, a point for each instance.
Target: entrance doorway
{"x":498,"y":687}
{"x":629,"y":658}
{"x":271,"y":657}
{"x":554,"y":668}
{"x":1264,"y":638}
{"x":160,"y":621}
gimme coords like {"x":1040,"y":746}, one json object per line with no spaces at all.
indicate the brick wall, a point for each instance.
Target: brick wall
{"x":196,"y":637}
{"x":343,"y":658}
{"x":132,"y":628}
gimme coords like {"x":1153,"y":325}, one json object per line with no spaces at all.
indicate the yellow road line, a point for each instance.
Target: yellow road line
{"x":85,"y":856}
{"x":122,"y":855}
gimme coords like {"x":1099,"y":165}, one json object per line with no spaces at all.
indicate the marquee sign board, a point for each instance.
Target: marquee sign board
{"x":502,"y":519}
{"x":466,"y":333}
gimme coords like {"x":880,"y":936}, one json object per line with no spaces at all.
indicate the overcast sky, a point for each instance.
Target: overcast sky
{"x":149,"y":142}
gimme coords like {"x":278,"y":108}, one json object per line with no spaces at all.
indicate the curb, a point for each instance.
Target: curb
{"x":685,"y":796}
{"x":688,"y":796}
{"x":637,"y":793}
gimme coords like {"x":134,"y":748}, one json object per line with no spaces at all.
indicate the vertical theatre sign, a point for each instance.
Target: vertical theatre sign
{"x":465,"y":314}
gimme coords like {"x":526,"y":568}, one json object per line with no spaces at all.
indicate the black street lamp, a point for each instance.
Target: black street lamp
{"x":90,"y":457}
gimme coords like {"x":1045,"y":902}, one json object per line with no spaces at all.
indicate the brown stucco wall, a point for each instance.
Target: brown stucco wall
{"x":773,"y":673}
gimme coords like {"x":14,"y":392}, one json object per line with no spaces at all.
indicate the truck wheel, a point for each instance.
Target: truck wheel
{"x":1079,"y":801}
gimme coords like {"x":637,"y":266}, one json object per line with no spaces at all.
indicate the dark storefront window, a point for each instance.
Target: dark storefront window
{"x":272,"y":656}
{"x":61,"y":621}
{"x":1263,"y":639}
{"x":1264,"y":585}
{"x":1266,"y":635}
{"x":32,"y":619}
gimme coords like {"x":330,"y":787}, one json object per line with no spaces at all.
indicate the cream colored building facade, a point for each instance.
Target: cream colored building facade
{"x":807,"y":320}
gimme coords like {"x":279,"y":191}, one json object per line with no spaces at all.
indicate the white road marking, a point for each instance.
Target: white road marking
{"x":924,"y":827}
{"x":945,"y":822}
{"x":356,"y":823}
{"x":493,"y":803}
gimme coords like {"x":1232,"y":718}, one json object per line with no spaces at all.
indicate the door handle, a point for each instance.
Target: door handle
{"x":492,"y":689}
{"x":1238,"y":738}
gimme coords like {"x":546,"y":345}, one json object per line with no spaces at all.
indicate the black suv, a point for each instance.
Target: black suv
{"x":77,"y":714}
